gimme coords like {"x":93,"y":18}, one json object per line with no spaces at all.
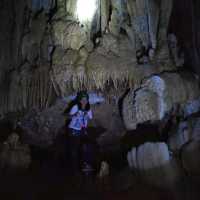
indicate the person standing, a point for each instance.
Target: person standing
{"x":80,"y":115}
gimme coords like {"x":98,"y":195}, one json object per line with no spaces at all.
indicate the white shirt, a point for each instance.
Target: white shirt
{"x":79,"y":118}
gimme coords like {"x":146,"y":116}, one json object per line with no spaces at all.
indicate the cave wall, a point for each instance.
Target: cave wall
{"x":185,"y":24}
{"x":46,"y":50}
{"x":24,"y":79}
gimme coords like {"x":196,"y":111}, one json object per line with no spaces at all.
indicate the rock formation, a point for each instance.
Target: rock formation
{"x":130,"y":51}
{"x":157,"y":96}
{"x":50,"y":47}
{"x":14,"y":154}
{"x":154,"y":164}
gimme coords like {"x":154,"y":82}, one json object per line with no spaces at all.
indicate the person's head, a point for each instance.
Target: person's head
{"x":83,"y":100}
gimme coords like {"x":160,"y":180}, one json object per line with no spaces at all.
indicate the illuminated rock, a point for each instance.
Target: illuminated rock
{"x":157,"y":96}
{"x":153,"y":164}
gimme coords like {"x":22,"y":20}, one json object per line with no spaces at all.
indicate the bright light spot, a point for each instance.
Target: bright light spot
{"x":86,"y":10}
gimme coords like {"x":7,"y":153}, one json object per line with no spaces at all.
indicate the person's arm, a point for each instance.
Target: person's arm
{"x":74,"y":110}
{"x":89,"y":114}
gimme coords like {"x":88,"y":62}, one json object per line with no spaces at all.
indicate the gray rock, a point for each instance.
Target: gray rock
{"x":186,"y":131}
{"x":14,"y":155}
{"x":69,"y":35}
{"x":153,"y":164}
{"x":157,"y":96}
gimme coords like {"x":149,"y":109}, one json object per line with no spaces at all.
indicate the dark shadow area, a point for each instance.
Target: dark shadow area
{"x":184,"y":23}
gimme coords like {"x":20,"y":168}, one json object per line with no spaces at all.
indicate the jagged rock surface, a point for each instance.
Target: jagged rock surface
{"x":157,"y":96}
{"x":40,"y":128}
{"x":49,"y":37}
{"x":14,"y":154}
{"x":153,"y":163}
{"x":185,"y":132}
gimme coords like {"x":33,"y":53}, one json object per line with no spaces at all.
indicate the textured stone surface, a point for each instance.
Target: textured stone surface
{"x":106,"y":115}
{"x":46,"y":34}
{"x":157,"y":96}
{"x":153,"y":163}
{"x":40,"y":128}
{"x":185,"y":132}
{"x":69,"y":35}
{"x":14,"y":155}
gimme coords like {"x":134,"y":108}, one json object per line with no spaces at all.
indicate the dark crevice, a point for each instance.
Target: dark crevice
{"x":184,"y":23}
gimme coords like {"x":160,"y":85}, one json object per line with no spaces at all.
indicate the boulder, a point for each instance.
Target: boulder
{"x":40,"y":128}
{"x":153,"y":163}
{"x":186,"y":131}
{"x":157,"y":96}
{"x":106,"y":115}
{"x":69,"y":35}
{"x":15,"y":155}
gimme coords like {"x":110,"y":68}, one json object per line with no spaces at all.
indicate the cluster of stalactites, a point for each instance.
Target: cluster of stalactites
{"x":25,"y":91}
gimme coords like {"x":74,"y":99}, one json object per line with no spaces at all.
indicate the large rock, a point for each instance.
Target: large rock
{"x":67,"y":72}
{"x":185,"y":132}
{"x":69,"y":35}
{"x":106,"y":115}
{"x":31,"y":42}
{"x":14,"y":154}
{"x":40,"y":128}
{"x":157,"y":96}
{"x":154,"y":164}
{"x":149,"y":20}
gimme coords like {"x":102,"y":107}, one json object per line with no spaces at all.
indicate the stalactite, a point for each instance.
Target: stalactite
{"x":45,"y":89}
{"x":31,"y":93}
{"x":105,"y":6}
{"x":38,"y":90}
{"x":35,"y":90}
{"x":28,"y":89}
{"x":50,"y":92}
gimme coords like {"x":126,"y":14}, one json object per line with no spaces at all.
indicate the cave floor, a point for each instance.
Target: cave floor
{"x":51,"y":179}
{"x":58,"y":185}
{"x":53,"y":182}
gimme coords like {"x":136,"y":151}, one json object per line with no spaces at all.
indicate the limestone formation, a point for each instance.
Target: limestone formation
{"x":106,"y":116}
{"x":69,"y":35}
{"x":53,"y":47}
{"x":41,"y":127}
{"x":49,"y":52}
{"x":104,"y":170}
{"x":157,"y":96}
{"x":149,"y":22}
{"x":186,"y":131}
{"x":105,"y":4}
{"x":14,"y":155}
{"x":178,"y":57}
{"x":153,"y":163}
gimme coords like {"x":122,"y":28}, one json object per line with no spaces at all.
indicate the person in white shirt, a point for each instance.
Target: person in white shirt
{"x":80,"y":115}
